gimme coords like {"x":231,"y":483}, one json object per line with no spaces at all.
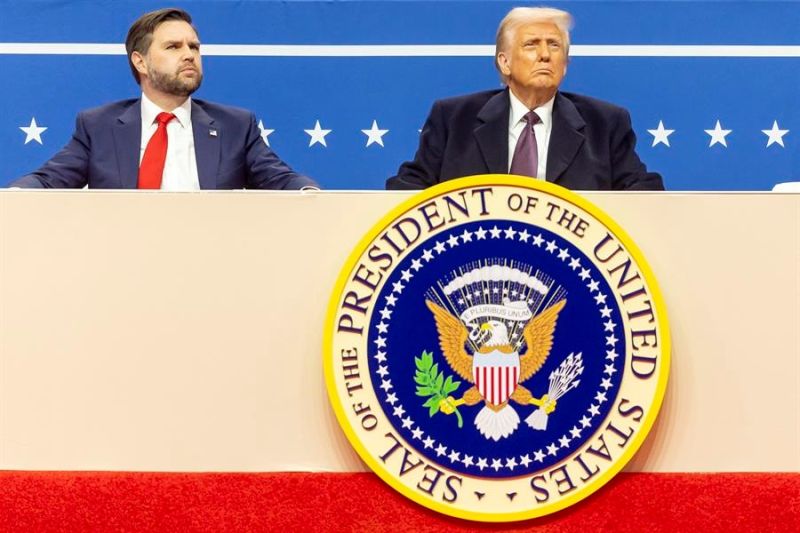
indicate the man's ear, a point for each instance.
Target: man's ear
{"x":138,"y":62}
{"x":503,"y":63}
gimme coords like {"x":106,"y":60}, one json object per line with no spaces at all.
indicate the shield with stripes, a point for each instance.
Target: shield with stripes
{"x":496,"y":382}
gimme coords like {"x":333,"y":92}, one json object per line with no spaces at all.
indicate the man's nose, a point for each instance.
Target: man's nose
{"x":544,"y":52}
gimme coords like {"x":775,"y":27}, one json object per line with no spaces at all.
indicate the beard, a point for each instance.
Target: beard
{"x":172,"y":83}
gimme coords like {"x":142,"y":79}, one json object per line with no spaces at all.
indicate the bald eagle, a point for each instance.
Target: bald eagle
{"x":496,"y":370}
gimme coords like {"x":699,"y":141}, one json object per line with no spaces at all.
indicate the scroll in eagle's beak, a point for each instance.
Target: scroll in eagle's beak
{"x":486,"y":327}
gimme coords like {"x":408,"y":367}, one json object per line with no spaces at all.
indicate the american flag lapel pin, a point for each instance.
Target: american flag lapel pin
{"x":212,"y":133}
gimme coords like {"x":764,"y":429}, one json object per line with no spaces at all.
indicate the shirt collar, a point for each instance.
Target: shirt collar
{"x":183,"y":113}
{"x":518,"y":110}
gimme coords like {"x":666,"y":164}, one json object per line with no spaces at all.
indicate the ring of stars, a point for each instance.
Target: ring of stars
{"x":440,"y":247}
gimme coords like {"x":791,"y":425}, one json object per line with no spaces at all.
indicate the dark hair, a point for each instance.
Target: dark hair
{"x":140,"y":35}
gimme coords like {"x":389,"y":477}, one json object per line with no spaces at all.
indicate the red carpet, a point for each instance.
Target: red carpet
{"x":113,"y":501}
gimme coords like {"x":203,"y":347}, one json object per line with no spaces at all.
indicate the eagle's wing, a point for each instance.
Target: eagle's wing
{"x":539,"y":338}
{"x":452,"y":336}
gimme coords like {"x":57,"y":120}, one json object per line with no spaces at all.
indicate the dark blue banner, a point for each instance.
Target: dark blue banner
{"x":712,"y":87}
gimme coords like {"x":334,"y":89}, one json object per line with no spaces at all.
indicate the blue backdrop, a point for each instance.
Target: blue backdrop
{"x":757,"y":90}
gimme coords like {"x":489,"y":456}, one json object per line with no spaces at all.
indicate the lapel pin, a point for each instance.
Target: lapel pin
{"x":213,"y":133}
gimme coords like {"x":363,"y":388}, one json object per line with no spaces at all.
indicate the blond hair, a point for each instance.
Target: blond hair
{"x":529,"y":15}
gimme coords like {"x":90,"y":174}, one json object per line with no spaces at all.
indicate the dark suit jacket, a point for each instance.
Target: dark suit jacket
{"x":591,"y":144}
{"x":104,"y":151}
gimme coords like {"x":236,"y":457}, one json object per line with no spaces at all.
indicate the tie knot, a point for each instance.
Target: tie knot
{"x":531,"y":118}
{"x":164,"y":118}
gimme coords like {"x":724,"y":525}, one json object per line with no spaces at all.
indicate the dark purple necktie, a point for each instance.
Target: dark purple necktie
{"x":526,"y":155}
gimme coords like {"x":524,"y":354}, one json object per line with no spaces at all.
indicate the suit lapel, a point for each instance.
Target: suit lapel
{"x":493,"y":118}
{"x":206,"y":146}
{"x":127,"y":144}
{"x":565,"y":138}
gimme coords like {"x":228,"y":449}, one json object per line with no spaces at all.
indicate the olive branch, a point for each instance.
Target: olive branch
{"x":432,"y":384}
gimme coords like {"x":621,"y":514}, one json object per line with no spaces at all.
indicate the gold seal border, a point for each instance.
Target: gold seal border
{"x":525,"y":183}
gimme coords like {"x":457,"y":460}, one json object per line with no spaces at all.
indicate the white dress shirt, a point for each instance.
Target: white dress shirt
{"x":180,"y":167}
{"x":542,"y":130}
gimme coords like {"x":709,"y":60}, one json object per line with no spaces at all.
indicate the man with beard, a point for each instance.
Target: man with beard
{"x":183,"y":144}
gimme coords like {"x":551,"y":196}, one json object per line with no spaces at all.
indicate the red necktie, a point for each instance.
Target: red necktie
{"x":152,"y":167}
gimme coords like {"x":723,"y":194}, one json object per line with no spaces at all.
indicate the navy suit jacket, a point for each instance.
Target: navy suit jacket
{"x":592,"y":144}
{"x":104,"y":151}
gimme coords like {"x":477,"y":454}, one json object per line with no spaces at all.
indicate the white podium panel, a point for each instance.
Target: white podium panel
{"x":183,"y":331}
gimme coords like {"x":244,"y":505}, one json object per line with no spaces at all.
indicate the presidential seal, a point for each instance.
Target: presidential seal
{"x":496,"y":348}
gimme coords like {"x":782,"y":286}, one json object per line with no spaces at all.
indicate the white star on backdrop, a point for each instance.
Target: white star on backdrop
{"x":33,"y":132}
{"x":317,"y":135}
{"x":775,"y":134}
{"x":265,"y":133}
{"x":374,"y":134}
{"x":718,"y":135}
{"x":661,"y":134}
